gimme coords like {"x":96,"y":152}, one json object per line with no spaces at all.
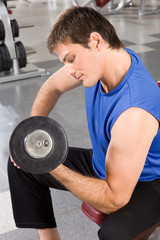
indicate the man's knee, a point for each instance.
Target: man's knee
{"x":113,"y":229}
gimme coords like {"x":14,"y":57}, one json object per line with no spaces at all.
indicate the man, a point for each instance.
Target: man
{"x":121,"y":175}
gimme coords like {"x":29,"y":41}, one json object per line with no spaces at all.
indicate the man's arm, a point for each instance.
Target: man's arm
{"x":51,"y":91}
{"x":131,"y":137}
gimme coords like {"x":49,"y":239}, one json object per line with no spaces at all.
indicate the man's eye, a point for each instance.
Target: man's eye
{"x":71,"y":60}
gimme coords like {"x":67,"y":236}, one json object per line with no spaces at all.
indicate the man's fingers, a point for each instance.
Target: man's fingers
{"x":14,"y":162}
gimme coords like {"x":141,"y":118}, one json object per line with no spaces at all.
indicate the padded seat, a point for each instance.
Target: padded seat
{"x":92,"y":213}
{"x":98,"y":217}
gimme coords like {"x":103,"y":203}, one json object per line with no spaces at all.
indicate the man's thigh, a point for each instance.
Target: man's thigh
{"x":140,"y":213}
{"x":31,"y":199}
{"x":78,"y":159}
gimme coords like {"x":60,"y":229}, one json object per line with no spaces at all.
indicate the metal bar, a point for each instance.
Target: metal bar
{"x":110,"y":4}
{"x":141,"y":8}
{"x":23,"y":75}
{"x":26,"y":25}
{"x":75,"y":2}
{"x":143,"y":12}
{"x":120,"y":6}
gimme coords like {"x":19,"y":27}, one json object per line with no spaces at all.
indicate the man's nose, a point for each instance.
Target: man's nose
{"x":71,"y":72}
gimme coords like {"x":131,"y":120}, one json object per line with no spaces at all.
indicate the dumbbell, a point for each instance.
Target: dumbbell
{"x":38,"y":145}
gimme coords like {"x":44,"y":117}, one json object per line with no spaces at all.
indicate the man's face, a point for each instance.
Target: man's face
{"x":80,"y":62}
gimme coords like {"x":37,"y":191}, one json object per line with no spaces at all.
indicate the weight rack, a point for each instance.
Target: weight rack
{"x":143,"y":12}
{"x":113,"y":9}
{"x":15,"y":73}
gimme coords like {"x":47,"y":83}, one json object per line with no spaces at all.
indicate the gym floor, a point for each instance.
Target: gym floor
{"x":142,"y":34}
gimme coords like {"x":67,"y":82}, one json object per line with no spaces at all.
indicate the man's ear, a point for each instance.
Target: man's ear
{"x":95,"y":41}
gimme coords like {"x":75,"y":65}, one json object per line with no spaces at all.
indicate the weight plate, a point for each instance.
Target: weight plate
{"x":5,"y":2}
{"x":21,"y":54}
{"x":1,"y":62}
{"x":38,"y":145}
{"x":7,"y":61}
{"x":2,"y":31}
{"x":14,"y":27}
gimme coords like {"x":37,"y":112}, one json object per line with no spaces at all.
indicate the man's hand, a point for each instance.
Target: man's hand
{"x":14,"y":162}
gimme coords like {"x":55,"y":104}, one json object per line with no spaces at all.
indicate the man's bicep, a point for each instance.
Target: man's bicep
{"x":131,"y":137}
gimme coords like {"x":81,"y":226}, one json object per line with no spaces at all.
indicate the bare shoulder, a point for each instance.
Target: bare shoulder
{"x":131,"y":138}
{"x":137,"y":120}
{"x":135,"y":128}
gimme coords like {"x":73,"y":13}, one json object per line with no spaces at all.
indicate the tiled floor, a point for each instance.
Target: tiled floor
{"x":142,"y":34}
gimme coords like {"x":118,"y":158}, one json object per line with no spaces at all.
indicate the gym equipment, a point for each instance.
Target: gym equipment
{"x":38,"y":145}
{"x":143,"y":12}
{"x":92,"y":213}
{"x":101,"y":3}
{"x":98,"y":4}
{"x":1,"y":62}
{"x":14,"y":27}
{"x":5,"y":2}
{"x":8,"y":33}
{"x":2,"y":31}
{"x":115,"y":8}
{"x":21,"y":54}
{"x":16,"y":51}
{"x":158,"y":83}
{"x":98,"y":217}
{"x":6,"y":61}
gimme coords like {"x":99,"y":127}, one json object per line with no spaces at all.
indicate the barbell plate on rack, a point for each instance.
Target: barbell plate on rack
{"x":38,"y":145}
{"x":5,"y":2}
{"x":7,"y":61}
{"x":21,"y":54}
{"x":1,"y":62}
{"x":2,"y":31}
{"x":14,"y":27}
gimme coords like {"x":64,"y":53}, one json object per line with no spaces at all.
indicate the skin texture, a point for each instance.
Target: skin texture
{"x":131,"y":135}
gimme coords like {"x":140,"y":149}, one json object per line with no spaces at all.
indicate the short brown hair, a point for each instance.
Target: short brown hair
{"x":77,"y":23}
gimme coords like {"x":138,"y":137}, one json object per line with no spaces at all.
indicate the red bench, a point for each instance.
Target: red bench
{"x":101,"y":3}
{"x":98,"y":217}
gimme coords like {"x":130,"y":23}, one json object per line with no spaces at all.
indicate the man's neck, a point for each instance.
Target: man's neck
{"x":116,"y":66}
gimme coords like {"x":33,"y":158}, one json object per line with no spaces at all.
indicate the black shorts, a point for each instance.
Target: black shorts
{"x":32,"y":204}
{"x":30,"y":194}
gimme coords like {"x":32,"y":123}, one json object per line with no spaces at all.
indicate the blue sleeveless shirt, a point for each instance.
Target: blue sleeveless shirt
{"x":137,"y":89}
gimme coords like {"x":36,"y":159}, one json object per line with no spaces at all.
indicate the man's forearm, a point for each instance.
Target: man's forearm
{"x":45,"y":101}
{"x":57,"y":84}
{"x":94,"y":191}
